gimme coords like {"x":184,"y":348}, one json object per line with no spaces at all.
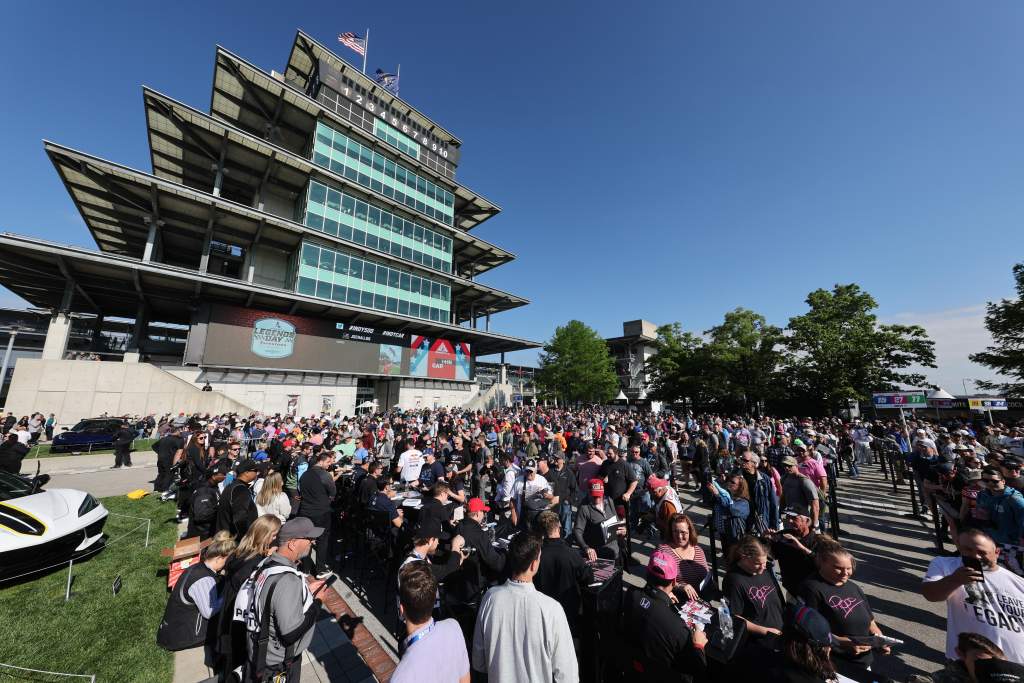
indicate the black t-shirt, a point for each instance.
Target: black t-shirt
{"x":620,"y":476}
{"x":455,"y":457}
{"x":794,"y":564}
{"x":845,"y":607}
{"x":755,"y":598}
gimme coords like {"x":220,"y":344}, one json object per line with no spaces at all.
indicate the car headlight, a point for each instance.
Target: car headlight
{"x":88,"y":505}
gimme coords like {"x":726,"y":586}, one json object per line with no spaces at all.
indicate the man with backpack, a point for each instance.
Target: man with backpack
{"x":283,"y":608}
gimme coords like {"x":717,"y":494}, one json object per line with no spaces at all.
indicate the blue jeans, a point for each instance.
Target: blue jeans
{"x":565,"y":514}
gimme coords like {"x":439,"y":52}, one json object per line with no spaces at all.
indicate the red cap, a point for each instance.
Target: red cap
{"x":597,"y":488}
{"x":654,"y":482}
{"x":477,"y":505}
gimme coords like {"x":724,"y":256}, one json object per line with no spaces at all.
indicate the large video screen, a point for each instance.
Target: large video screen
{"x":249,"y":338}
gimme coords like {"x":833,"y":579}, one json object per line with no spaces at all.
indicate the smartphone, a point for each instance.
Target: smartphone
{"x":972,"y":563}
{"x":327,"y":582}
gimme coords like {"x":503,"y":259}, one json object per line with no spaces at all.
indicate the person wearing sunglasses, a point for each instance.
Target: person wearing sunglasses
{"x":1004,"y":505}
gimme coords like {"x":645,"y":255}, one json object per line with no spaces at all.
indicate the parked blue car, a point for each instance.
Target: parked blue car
{"x":91,"y":434}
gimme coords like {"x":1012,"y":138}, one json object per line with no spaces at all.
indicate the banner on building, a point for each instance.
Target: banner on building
{"x":248,"y":338}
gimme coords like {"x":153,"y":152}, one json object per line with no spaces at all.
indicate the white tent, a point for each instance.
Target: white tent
{"x":367,"y":404}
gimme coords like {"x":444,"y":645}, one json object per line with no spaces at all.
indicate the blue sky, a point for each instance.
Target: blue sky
{"x":663,"y":160}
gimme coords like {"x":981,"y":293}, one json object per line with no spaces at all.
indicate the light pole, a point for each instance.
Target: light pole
{"x":7,"y":355}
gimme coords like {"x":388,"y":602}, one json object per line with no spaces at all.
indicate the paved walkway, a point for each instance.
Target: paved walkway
{"x":92,"y":473}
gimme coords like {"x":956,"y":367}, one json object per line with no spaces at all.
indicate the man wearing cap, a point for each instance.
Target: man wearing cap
{"x":536,"y":495}
{"x":426,"y":542}
{"x":798,"y":489}
{"x":432,"y":471}
{"x":666,"y":502}
{"x":564,"y":488}
{"x":283,"y":609}
{"x":482,"y":553}
{"x":660,"y":644}
{"x":318,"y":487}
{"x":202,"y":518}
{"x":594,"y":519}
{"x":168,"y":451}
{"x":236,"y":509}
{"x":794,"y":547}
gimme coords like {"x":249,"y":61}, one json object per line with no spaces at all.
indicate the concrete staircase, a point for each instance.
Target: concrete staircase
{"x":77,"y":389}
{"x":495,"y":396}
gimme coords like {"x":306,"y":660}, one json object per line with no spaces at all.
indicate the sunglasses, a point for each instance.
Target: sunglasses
{"x":991,"y":481}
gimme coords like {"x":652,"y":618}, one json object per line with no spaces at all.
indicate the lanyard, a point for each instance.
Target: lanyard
{"x":419,"y":635}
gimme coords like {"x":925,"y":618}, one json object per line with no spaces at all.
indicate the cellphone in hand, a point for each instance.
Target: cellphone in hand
{"x":972,"y":563}
{"x":327,"y":582}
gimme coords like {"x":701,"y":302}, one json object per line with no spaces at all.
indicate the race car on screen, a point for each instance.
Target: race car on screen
{"x":41,"y":528}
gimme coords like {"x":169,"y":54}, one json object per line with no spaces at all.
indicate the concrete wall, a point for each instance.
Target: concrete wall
{"x":428,"y":394}
{"x":76,"y":389}
{"x":273,"y":398}
{"x":271,"y":267}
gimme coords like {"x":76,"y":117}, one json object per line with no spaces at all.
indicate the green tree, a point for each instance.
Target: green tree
{"x":1005,"y":322}
{"x":678,"y":369}
{"x":745,"y":354}
{"x":576,"y":366}
{"x":839,"y":351}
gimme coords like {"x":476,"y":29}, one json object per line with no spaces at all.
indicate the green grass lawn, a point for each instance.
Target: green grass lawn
{"x":97,"y":632}
{"x":43,"y":450}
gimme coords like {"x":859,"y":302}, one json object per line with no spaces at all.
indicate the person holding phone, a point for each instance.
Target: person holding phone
{"x":794,"y":547}
{"x":981,"y":597}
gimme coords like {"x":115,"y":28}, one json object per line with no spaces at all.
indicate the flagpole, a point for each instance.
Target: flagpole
{"x":366,"y":49}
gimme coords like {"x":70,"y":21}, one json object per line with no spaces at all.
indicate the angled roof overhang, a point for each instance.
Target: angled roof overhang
{"x":115,"y":285}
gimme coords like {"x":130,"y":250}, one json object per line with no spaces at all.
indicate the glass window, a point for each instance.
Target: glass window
{"x":407,"y":253}
{"x":384,"y":245}
{"x":355,"y":268}
{"x":361,"y":210}
{"x":371,"y":240}
{"x":310,"y":255}
{"x":346,"y":231}
{"x":414,"y":285}
{"x":414,"y":310}
{"x":307,"y":286}
{"x":366,"y":299}
{"x":404,"y":282}
{"x":425,"y":287}
{"x":338,"y":293}
{"x":403,"y":307}
{"x":348,"y":205}
{"x":359,"y":236}
{"x":353,"y":296}
{"x":379,"y":301}
{"x":393,"y":278}
{"x":392,"y":305}
{"x":314,"y":221}
{"x":382,"y":275}
{"x":323,"y":290}
{"x":317,"y":192}
{"x":435,"y":290}
{"x":334,"y":200}
{"x":369,"y":271}
{"x":327,"y":260}
{"x":330,"y":226}
{"x":341,"y":264}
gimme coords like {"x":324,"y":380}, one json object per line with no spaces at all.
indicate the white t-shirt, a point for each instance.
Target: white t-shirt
{"x":1000,"y":618}
{"x":410,"y":462}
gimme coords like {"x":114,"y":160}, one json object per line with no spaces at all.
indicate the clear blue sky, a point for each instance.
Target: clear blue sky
{"x":665,"y":160}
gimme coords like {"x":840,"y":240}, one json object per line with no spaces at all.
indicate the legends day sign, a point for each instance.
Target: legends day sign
{"x":900,"y":399}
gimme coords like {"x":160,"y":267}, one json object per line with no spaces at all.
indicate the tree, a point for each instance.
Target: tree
{"x":1005,"y":322}
{"x":838,"y":351}
{"x":745,"y":355}
{"x":576,"y":366}
{"x":678,"y":367}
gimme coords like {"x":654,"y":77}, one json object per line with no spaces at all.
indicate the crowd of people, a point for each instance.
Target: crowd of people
{"x":510,"y":562}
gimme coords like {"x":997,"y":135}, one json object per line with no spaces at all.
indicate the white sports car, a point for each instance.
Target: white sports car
{"x":40,"y":528}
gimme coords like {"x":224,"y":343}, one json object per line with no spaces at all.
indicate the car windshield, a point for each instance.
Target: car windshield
{"x":91,"y":425}
{"x":12,"y":486}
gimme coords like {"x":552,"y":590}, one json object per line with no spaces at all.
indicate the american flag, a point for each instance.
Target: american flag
{"x":353,"y":42}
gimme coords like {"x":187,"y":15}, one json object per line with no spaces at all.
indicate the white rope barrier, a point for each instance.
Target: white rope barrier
{"x":91,"y":677}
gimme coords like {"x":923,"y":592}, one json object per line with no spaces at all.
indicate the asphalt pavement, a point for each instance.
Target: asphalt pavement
{"x":93,"y":473}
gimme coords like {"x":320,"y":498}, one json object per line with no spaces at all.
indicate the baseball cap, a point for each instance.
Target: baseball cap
{"x":998,"y":671}
{"x":247,"y":466}
{"x":428,"y":451}
{"x":478,"y":505}
{"x":795,"y":511}
{"x":1012,"y":461}
{"x":531,"y":465}
{"x":944,"y":468}
{"x":788,"y":461}
{"x":430,"y":528}
{"x":809,"y":623}
{"x":663,"y":566}
{"x":655,"y":482}
{"x":597,"y":488}
{"x":297,"y":527}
